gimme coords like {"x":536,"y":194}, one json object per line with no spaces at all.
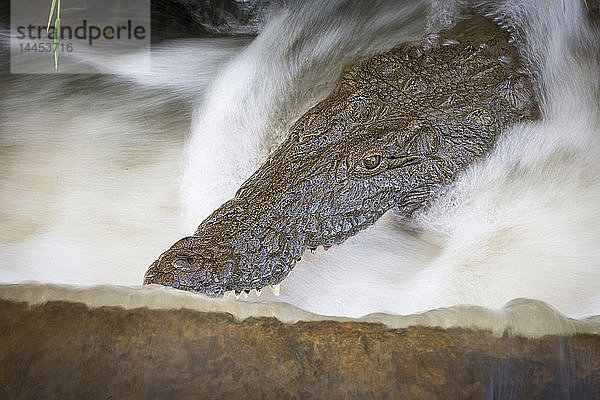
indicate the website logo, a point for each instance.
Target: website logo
{"x":97,"y":38}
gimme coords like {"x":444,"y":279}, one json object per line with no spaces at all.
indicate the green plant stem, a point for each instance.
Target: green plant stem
{"x":56,"y":29}
{"x":51,"y":13}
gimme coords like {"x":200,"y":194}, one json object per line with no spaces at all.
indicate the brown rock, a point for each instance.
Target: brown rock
{"x":67,"y":350}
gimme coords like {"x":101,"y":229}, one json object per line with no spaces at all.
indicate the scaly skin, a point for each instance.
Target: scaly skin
{"x":398,"y":127}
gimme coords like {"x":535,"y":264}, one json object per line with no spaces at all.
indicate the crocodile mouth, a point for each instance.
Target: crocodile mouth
{"x":190,"y":265}
{"x":240,"y":262}
{"x":242,"y":248}
{"x":200,"y":279}
{"x":185,"y":281}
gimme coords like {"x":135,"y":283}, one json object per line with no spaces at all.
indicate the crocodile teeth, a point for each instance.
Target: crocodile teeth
{"x":237,"y":294}
{"x":258,"y":292}
{"x":246,"y":293}
{"x":275,"y":289}
{"x":326,"y":247}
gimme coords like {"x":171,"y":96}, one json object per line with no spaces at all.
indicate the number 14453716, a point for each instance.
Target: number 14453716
{"x":46,"y":47}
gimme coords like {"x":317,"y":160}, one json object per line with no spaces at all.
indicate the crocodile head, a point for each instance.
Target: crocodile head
{"x":397,"y":127}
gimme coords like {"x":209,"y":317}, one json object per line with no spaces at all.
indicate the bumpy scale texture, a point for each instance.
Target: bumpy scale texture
{"x":398,"y":127}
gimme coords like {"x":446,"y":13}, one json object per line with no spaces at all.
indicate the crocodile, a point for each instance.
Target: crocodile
{"x":393,"y":134}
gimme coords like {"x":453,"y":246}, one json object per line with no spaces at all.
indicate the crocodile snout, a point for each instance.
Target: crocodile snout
{"x":188,"y":265}
{"x":233,"y":249}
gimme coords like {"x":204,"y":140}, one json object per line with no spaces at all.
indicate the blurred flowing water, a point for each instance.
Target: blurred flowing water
{"x":102,"y":173}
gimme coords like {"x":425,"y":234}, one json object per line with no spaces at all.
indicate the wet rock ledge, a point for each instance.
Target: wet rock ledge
{"x":66,"y":350}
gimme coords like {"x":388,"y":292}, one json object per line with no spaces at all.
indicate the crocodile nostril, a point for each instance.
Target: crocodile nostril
{"x":184,"y":263}
{"x":183,"y":259}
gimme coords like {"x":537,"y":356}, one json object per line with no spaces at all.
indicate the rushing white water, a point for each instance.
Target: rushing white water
{"x":98,"y":177}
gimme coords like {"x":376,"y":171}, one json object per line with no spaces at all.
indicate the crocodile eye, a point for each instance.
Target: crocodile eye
{"x":372,"y":162}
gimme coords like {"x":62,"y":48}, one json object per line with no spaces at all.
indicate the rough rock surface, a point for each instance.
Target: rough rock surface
{"x":67,"y":350}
